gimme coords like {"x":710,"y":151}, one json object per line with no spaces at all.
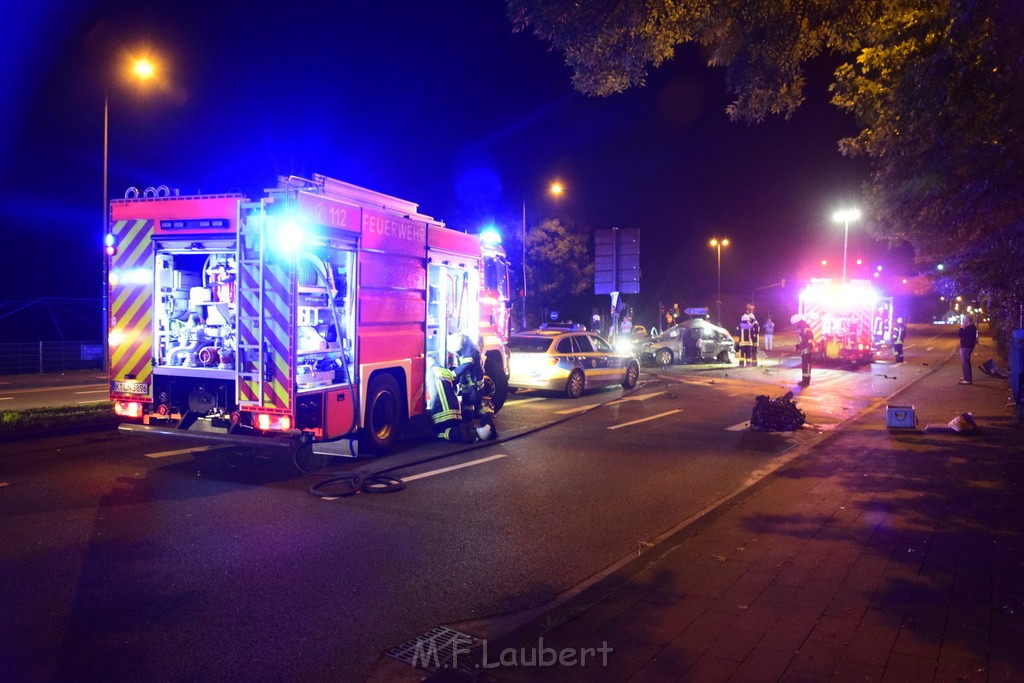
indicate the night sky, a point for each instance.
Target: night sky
{"x":438,"y":103}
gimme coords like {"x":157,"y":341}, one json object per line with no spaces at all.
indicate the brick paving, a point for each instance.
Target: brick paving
{"x":879,"y":555}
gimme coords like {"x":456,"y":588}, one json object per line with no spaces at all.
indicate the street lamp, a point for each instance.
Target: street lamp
{"x":557,"y":189}
{"x":719,"y":243}
{"x":143,"y":69}
{"x":845,"y":216}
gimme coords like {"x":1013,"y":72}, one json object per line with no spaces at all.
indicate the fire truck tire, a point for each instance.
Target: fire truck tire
{"x":663,"y":357}
{"x":632,"y":375}
{"x":383,"y":415}
{"x":495,"y":375}
{"x":576,"y":384}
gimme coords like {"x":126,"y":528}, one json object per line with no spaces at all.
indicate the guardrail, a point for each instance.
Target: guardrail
{"x":49,"y":356}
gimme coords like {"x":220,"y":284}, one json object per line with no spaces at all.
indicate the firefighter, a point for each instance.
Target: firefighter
{"x":469,"y":375}
{"x":443,"y":405}
{"x":805,"y":345}
{"x":747,"y":323}
{"x":899,"y":335}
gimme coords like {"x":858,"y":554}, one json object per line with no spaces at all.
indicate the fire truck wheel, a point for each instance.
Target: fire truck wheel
{"x":494,"y":374}
{"x":383,"y":415}
{"x":577,"y":382}
{"x":632,"y":375}
{"x":663,"y":357}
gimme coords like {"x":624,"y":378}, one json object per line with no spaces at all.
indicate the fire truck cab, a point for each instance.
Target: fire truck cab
{"x":306,"y":315}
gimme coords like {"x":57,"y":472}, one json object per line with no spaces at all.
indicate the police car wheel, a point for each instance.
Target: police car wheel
{"x":576,"y":383}
{"x":632,"y":375}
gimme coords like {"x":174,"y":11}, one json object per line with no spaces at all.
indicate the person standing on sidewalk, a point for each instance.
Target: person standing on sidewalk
{"x":769,"y":334}
{"x":968,"y":340}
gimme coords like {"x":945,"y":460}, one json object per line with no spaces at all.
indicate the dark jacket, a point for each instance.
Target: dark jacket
{"x":968,"y":336}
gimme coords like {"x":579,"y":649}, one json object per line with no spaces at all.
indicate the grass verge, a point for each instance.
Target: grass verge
{"x":34,"y":419}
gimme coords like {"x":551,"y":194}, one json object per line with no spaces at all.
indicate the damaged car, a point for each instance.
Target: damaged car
{"x":691,"y":341}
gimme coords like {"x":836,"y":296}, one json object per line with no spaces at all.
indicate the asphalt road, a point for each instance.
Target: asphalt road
{"x":122,"y":561}
{"x":47,"y":390}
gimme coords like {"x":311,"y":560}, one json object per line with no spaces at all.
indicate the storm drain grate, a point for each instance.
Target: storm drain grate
{"x":439,"y":648}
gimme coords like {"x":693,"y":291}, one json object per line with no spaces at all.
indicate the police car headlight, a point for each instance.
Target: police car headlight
{"x":624,"y":346}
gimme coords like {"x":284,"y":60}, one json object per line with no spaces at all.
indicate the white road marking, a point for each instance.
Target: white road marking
{"x":570,"y":411}
{"x":98,"y":391}
{"x":6,"y":398}
{"x":471,"y":463}
{"x":641,"y":397}
{"x":644,"y":397}
{"x":181,"y":451}
{"x":521,"y":401}
{"x":646,"y":419}
{"x":739,"y":427}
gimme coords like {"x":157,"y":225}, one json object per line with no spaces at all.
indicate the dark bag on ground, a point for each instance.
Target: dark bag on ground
{"x":776,"y":414}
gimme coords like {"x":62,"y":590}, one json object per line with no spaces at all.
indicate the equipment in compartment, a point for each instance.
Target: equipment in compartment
{"x":196,"y":323}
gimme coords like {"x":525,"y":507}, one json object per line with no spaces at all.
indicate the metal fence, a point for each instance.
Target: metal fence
{"x":50,"y":356}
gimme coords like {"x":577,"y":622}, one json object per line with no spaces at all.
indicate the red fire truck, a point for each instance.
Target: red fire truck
{"x":307,"y":315}
{"x":843,"y":317}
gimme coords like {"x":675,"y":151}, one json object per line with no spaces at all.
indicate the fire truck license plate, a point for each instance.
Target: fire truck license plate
{"x":131,"y":388}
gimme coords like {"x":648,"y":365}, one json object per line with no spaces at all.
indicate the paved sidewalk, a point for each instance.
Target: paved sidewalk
{"x":877,"y":555}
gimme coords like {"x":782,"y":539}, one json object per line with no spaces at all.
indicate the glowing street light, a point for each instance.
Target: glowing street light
{"x":143,"y":69}
{"x":845,"y":216}
{"x":557,"y":189}
{"x":718,"y":244}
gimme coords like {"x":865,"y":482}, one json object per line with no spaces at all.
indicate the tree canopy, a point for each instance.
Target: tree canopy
{"x":559,"y":266}
{"x":936,"y":86}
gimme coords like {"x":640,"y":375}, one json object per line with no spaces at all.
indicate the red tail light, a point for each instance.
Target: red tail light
{"x":128,"y":409}
{"x":267,"y":422}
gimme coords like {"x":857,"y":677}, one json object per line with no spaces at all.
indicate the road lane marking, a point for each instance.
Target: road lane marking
{"x":6,"y":398}
{"x":443,"y":470}
{"x":570,"y":411}
{"x":98,"y":391}
{"x":520,"y":401}
{"x":181,"y":451}
{"x":642,"y":397}
{"x":646,"y":419}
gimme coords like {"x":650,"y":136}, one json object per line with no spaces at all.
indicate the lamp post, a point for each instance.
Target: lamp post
{"x":143,"y":69}
{"x":556,"y":189}
{"x":845,"y":216}
{"x":718,"y":244}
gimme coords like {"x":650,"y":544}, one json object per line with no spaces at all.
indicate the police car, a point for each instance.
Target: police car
{"x":569,"y":361}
